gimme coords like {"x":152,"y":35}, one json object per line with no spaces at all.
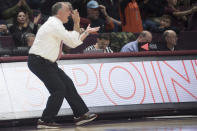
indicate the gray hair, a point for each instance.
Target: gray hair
{"x":144,"y":33}
{"x":57,"y":6}
{"x":29,"y":35}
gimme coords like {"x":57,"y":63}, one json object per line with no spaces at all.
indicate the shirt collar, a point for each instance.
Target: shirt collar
{"x":57,"y":19}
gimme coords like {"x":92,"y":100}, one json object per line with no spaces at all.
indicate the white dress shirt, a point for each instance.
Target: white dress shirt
{"x":49,"y":37}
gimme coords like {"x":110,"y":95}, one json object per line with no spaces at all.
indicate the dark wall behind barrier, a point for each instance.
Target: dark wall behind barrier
{"x":187,"y":40}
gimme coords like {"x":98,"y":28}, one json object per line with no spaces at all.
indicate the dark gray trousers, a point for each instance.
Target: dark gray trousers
{"x":59,"y":85}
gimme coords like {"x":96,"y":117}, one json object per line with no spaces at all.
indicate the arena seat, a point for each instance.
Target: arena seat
{"x":7,"y":42}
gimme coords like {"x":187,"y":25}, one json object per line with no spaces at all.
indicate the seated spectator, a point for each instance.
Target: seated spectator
{"x":179,"y":17}
{"x":29,"y":39}
{"x":152,"y":8}
{"x":169,"y":41}
{"x":9,"y":8}
{"x":143,"y":38}
{"x":22,"y":26}
{"x":94,"y":17}
{"x":111,"y":7}
{"x":130,"y":16}
{"x":154,"y":27}
{"x":179,"y":13}
{"x":192,"y":26}
{"x":23,"y":50}
{"x":3,"y":28}
{"x":101,"y":45}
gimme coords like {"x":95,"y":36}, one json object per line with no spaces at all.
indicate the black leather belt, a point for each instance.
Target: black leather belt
{"x":40,"y":57}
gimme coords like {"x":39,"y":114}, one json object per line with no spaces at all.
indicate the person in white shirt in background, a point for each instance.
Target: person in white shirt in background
{"x":44,"y":53}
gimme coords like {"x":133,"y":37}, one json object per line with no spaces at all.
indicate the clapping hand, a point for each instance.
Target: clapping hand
{"x":21,"y":3}
{"x":92,"y":30}
{"x":37,"y":19}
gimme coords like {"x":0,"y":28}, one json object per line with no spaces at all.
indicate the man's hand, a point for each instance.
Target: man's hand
{"x":76,"y":20}
{"x":103,"y":10}
{"x":91,"y":30}
{"x":88,"y":31}
{"x":75,"y":16}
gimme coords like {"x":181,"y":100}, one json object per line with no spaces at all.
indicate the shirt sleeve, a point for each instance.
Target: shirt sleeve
{"x":125,"y":49}
{"x":130,"y":47}
{"x":70,"y":38}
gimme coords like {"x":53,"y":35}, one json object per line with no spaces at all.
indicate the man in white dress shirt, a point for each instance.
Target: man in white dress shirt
{"x":43,"y":55}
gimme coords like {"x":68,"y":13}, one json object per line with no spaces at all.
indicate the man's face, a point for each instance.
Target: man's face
{"x":65,"y":12}
{"x":147,"y":38}
{"x":171,"y":38}
{"x":102,"y":43}
{"x":30,"y":41}
{"x":93,"y":13}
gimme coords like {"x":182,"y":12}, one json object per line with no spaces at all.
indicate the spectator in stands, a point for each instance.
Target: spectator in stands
{"x":94,"y":18}
{"x":111,"y":7}
{"x":164,"y":24}
{"x":152,"y":8}
{"x":169,"y":41}
{"x":192,"y":26}
{"x":9,"y":8}
{"x":179,"y":17}
{"x":102,"y":44}
{"x":22,"y":26}
{"x":144,"y":37}
{"x":119,"y":39}
{"x":3,"y":28}
{"x":130,"y":16}
{"x":29,"y":39}
{"x":81,"y":6}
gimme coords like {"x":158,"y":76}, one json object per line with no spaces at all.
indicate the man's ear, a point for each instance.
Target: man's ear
{"x":167,"y":39}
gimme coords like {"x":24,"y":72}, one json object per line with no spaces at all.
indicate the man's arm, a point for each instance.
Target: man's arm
{"x":186,"y":12}
{"x":108,"y":18}
{"x":76,"y":20}
{"x":130,"y":47}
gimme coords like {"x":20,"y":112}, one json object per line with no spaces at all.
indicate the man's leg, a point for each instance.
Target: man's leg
{"x":49,"y":76}
{"x":78,"y":106}
{"x":74,"y":99}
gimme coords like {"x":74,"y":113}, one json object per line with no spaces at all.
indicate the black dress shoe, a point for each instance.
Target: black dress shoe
{"x":84,"y":119}
{"x":47,"y":125}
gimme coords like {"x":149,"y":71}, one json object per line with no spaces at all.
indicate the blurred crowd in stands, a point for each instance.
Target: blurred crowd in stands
{"x":125,"y":25}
